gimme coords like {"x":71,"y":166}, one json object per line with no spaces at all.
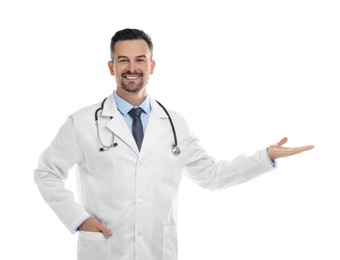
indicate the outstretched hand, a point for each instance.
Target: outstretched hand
{"x":276,"y":151}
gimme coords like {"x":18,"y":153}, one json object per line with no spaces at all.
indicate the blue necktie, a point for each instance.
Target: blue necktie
{"x":137,"y":126}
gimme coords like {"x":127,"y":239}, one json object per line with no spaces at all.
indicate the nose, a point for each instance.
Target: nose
{"x":132,"y":67}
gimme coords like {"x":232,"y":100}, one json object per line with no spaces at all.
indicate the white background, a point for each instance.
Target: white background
{"x":254,"y":70}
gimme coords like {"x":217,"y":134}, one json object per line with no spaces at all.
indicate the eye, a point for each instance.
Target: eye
{"x":122,"y":61}
{"x":140,"y":60}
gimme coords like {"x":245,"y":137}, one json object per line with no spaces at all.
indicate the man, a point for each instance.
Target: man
{"x":129,"y":174}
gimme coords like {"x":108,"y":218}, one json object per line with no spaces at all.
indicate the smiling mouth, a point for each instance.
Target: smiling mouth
{"x":132,"y":76}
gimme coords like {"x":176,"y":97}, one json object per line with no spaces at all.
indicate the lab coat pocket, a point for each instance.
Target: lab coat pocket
{"x":170,"y":243}
{"x":93,"y":245}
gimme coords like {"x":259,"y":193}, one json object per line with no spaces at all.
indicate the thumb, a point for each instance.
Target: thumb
{"x":282,"y":141}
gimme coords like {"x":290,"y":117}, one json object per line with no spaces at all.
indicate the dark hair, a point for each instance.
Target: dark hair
{"x":130,"y":34}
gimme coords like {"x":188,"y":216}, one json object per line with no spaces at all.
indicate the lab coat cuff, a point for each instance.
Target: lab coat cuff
{"x":79,"y":221}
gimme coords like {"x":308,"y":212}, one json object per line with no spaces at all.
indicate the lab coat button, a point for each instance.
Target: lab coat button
{"x":139,"y":234}
{"x":140,"y":201}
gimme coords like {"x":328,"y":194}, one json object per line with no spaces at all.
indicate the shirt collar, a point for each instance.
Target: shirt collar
{"x":124,"y":107}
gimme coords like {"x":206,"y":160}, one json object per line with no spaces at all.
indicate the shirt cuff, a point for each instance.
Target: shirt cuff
{"x":81,"y":222}
{"x":272,"y":162}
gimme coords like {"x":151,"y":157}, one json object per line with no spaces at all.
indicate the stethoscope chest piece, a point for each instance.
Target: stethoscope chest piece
{"x":175,"y":150}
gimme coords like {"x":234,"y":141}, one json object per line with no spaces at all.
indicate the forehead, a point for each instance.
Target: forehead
{"x":131,"y":48}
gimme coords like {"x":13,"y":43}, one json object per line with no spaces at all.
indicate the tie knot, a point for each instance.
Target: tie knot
{"x":135,"y":112}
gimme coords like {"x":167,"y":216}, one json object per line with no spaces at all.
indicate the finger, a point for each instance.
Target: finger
{"x":288,"y":151}
{"x":282,"y":141}
{"x":302,"y":149}
{"x":104,"y":230}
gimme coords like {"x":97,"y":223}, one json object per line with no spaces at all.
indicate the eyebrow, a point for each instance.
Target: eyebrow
{"x":125,"y":57}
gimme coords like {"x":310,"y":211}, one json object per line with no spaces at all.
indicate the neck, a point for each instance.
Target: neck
{"x":134,"y":99}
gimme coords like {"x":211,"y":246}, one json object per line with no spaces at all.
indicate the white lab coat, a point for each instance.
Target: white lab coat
{"x":133,"y":193}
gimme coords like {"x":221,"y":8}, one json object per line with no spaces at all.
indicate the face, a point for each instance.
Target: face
{"x":131,"y":65}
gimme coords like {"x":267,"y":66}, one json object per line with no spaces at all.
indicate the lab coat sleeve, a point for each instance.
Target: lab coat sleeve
{"x":54,"y":164}
{"x":211,"y":174}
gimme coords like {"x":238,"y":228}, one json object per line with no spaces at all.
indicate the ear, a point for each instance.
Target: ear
{"x":111,"y":67}
{"x":152,"y":67}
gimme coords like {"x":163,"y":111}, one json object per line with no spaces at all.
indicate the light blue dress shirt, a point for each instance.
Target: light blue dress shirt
{"x":124,"y":107}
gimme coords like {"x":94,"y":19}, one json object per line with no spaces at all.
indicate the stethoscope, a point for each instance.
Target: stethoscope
{"x":174,"y":149}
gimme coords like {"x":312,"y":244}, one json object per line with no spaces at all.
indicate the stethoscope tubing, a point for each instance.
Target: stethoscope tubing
{"x":175,"y":149}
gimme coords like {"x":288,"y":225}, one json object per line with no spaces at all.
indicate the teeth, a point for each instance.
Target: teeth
{"x":132,"y":77}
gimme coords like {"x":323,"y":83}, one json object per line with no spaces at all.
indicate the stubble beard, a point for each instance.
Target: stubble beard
{"x":132,"y":87}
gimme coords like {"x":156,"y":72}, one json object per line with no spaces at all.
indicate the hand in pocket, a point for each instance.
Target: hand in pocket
{"x":94,"y":225}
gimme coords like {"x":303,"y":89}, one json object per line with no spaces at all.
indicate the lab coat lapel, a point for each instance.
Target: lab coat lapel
{"x":117,"y":124}
{"x":157,"y":126}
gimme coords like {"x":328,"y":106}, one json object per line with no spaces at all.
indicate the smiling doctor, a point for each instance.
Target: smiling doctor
{"x":130,"y":154}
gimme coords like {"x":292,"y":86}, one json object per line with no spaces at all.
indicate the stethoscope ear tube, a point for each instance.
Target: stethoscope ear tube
{"x":105,"y":148}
